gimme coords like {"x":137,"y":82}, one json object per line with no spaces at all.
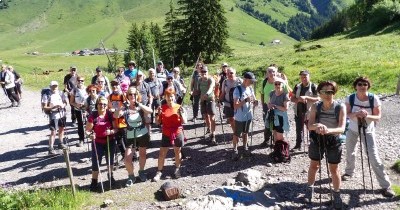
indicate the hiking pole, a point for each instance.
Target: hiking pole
{"x":204,"y":118}
{"x":108,"y":164}
{"x":222,"y":122}
{"x":362,"y":161}
{"x":251,"y":133}
{"x":364,"y":126}
{"x":302,"y":133}
{"x":109,"y":61}
{"x":327,"y":166}
{"x":194,"y":119}
{"x":98,"y":165}
{"x":320,"y":170}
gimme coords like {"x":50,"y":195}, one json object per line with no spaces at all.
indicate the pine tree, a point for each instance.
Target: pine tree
{"x":168,"y":51}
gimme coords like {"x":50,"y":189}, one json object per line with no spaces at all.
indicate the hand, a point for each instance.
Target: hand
{"x":255,"y":103}
{"x":321,"y":129}
{"x":302,"y":99}
{"x":362,"y":113}
{"x":109,"y":132}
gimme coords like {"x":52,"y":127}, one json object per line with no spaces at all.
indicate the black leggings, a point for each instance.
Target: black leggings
{"x":12,"y":95}
{"x":79,"y":119}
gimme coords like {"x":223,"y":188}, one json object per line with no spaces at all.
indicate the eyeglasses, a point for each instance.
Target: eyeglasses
{"x":277,"y":83}
{"x":93,"y":91}
{"x":327,"y":92}
{"x":101,"y":104}
{"x":170,"y":79}
{"x":131,"y":94}
{"x":362,"y":84}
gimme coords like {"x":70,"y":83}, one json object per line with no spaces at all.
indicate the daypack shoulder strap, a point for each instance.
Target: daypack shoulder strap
{"x":264,"y":83}
{"x":371,"y":101}
{"x":319,"y":108}
{"x":351,"y":100}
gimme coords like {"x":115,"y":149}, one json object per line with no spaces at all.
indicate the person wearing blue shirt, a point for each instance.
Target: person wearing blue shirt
{"x":131,"y":72}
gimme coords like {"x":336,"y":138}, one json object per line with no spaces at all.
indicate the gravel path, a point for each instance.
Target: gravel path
{"x":24,"y":162}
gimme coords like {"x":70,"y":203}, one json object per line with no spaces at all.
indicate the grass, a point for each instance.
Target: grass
{"x":396,"y":166}
{"x":58,"y":198}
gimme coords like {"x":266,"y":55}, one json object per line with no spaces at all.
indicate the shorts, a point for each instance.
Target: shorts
{"x":333,"y":148}
{"x":241,"y":127}
{"x":208,"y":107}
{"x":279,"y":128}
{"x":141,"y":141}
{"x":178,"y":142}
{"x":228,"y":111}
{"x":62,"y":122}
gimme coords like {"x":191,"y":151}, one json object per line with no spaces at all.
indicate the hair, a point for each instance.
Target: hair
{"x":100,"y":98}
{"x":328,"y":83}
{"x":362,"y":79}
{"x":231,"y":70}
{"x":272,"y":68}
{"x":168,"y":92}
{"x":100,"y":77}
{"x":80,"y":78}
{"x":91,"y":86}
{"x":135,"y":91}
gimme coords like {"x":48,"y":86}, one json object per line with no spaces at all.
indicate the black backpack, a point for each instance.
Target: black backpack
{"x":231,"y":94}
{"x":281,"y":152}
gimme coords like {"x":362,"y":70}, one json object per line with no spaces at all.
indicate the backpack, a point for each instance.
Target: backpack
{"x":281,"y":152}
{"x":231,"y":94}
{"x":46,"y":92}
{"x":370,"y":99}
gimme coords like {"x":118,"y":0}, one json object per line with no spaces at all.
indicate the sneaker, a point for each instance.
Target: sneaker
{"x":62,"y":146}
{"x":346,"y":177}
{"x":131,"y":180}
{"x":177,"y":173}
{"x":142,"y":176}
{"x":51,"y":151}
{"x":18,"y":104}
{"x":309,"y":194}
{"x":388,"y":193}
{"x":235,"y":155}
{"x":79,"y":144}
{"x":157,"y":177}
{"x":337,"y":201}
{"x":94,"y":185}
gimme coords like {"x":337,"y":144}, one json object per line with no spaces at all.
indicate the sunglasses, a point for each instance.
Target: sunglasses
{"x":327,"y":92}
{"x":101,"y":104}
{"x":131,"y":94}
{"x":100,"y":81}
{"x":170,"y":79}
{"x":362,"y":84}
{"x":73,"y":69}
{"x":278,"y":84}
{"x":81,"y":80}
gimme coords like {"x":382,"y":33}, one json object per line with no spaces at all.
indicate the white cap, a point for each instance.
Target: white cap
{"x":278,"y":79}
{"x":52,"y":83}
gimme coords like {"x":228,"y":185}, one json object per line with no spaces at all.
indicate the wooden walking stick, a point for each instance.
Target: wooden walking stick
{"x":69,"y":170}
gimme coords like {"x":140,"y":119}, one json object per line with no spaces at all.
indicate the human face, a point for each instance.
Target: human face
{"x":152,"y":74}
{"x":101,"y":82}
{"x":362,"y":86}
{"x":169,"y":80}
{"x":199,"y":67}
{"x":102,"y":105}
{"x":132,"y":96}
{"x":327,"y":92}
{"x":305,"y":78}
{"x":170,"y":99}
{"x":54,"y":87}
{"x":271,"y":73}
{"x":131,"y":66}
{"x":73,"y":71}
{"x":203,"y":73}
{"x":93,"y":92}
{"x":278,"y":85}
{"x":230,"y":74}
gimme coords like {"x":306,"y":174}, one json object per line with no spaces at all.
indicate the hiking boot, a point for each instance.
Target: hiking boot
{"x":337,"y":201}
{"x":235,"y":155}
{"x":51,"y":151}
{"x":346,"y":177}
{"x":62,"y":146}
{"x":213,"y":141}
{"x":264,"y":144}
{"x":131,"y":180}
{"x":94,"y":185}
{"x":388,"y":193}
{"x":79,"y":144}
{"x":309,"y":194}
{"x":142,"y":176}
{"x":296,"y":147}
{"x":18,"y":104}
{"x":157,"y":177}
{"x":177,"y":173}
{"x":113,"y":182}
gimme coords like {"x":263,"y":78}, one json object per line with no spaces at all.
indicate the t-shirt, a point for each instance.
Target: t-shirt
{"x":162,"y":75}
{"x":155,"y":87}
{"x":207,"y":87}
{"x":100,"y":127}
{"x":328,"y":117}
{"x":171,"y":120}
{"x":353,"y":125}
{"x":226,"y":86}
{"x":80,"y":95}
{"x":135,"y":121}
{"x":131,"y":73}
{"x":270,"y":87}
{"x":145,"y":92}
{"x":278,"y":100}
{"x":55,"y":99}
{"x":243,"y":113}
{"x":70,"y":81}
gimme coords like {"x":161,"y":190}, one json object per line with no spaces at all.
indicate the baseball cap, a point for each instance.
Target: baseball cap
{"x":132,"y":63}
{"x":52,"y":83}
{"x":73,"y":67}
{"x":140,"y":73}
{"x":98,"y":69}
{"x":304,"y":72}
{"x":160,"y":63}
{"x":204,"y":68}
{"x":272,"y":68}
{"x":224,"y":64}
{"x":250,"y":76}
{"x":170,"y":76}
{"x":278,"y":79}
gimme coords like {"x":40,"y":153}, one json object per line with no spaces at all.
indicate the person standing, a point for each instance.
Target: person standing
{"x":364,"y":110}
{"x":327,"y":121}
{"x":90,"y":103}
{"x":103,"y":88}
{"x":207,"y":102}
{"x":232,"y":81}
{"x":54,"y":103}
{"x":147,"y":98}
{"x":174,"y":85}
{"x":243,"y":100}
{"x":223,"y":75}
{"x":18,"y":82}
{"x":78,"y":96}
{"x":170,"y":119}
{"x":267,"y":87}
{"x":161,"y":72}
{"x":156,"y":89}
{"x":131,"y":71}
{"x":122,"y":79}
{"x":9,"y":86}
{"x":194,"y":90}
{"x":69,"y":84}
{"x":305,"y":94}
{"x":99,"y":73}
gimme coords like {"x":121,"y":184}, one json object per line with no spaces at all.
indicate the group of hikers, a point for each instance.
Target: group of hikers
{"x":117,"y":116}
{"x":11,"y":82}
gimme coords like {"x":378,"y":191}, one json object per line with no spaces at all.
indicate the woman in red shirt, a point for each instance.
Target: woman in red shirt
{"x":102,"y":128}
{"x":170,"y":119}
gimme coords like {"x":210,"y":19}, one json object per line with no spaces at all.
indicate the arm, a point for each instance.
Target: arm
{"x":222,"y":95}
{"x":146,"y":109}
{"x":211,"y":86}
{"x":376,"y":114}
{"x":158,"y":116}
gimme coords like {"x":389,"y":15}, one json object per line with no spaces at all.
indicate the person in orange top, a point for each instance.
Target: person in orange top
{"x":170,"y":119}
